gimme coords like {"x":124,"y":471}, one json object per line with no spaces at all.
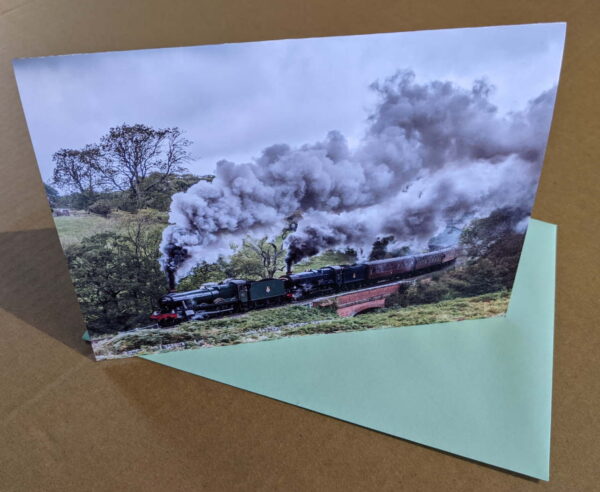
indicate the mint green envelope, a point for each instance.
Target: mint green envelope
{"x":476,"y":388}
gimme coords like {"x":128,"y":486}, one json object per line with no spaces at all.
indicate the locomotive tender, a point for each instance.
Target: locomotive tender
{"x":235,"y":295}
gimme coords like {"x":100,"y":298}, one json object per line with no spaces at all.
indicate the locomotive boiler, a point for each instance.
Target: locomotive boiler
{"x":216,"y":299}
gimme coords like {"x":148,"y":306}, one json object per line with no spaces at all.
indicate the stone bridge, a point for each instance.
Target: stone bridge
{"x":351,"y":303}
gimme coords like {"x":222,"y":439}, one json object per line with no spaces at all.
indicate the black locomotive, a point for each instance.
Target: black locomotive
{"x":234,"y":295}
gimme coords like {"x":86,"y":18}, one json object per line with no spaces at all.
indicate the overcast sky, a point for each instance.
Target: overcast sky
{"x":232,"y":100}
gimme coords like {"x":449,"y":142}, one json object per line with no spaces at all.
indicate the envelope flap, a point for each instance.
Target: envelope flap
{"x":477,"y":388}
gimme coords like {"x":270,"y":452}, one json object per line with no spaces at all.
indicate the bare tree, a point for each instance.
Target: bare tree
{"x":131,"y":153}
{"x":271,"y":252}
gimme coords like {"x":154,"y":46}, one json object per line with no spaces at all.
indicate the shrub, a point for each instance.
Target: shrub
{"x":101,"y":207}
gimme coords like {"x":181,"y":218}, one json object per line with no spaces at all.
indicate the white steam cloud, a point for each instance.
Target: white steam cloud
{"x":433,"y":153}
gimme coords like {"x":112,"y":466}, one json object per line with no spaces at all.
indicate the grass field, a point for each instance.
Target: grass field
{"x":72,"y":229}
{"x":289,"y":321}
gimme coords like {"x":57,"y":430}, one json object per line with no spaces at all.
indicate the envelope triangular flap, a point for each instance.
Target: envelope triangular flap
{"x":477,"y":388}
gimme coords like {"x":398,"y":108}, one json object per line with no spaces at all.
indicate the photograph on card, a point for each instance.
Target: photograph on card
{"x":222,"y":194}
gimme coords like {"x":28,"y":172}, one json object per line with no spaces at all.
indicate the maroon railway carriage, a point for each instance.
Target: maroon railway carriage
{"x":451,"y":254}
{"x":398,"y":267}
{"x":429,"y":260}
{"x":435,"y":259}
{"x":390,"y":267}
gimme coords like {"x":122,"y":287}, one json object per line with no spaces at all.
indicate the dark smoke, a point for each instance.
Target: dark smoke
{"x":175,"y":255}
{"x":432,"y":154}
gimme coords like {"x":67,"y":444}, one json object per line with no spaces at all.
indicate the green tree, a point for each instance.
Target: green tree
{"x":493,"y":249}
{"x":482,"y":234}
{"x":101,"y":207}
{"x":131,"y":154}
{"x":77,"y":171}
{"x":160,"y":189}
{"x":52,"y":195}
{"x":117,"y":276}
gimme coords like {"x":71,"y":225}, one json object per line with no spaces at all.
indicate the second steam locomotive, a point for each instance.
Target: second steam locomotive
{"x":234,"y":295}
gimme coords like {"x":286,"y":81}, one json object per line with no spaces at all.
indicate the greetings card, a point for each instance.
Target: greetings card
{"x":218,"y":195}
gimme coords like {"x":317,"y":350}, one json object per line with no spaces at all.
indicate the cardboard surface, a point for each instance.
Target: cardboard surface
{"x":67,"y":423}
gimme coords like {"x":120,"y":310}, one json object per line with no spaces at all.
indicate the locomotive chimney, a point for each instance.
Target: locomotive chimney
{"x":289,"y":268}
{"x":176,"y":256}
{"x":171,"y":279}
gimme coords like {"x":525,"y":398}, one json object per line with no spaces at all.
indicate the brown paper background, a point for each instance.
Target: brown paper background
{"x":67,"y":423}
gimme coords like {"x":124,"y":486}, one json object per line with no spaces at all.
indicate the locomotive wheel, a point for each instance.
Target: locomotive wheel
{"x":219,"y":300}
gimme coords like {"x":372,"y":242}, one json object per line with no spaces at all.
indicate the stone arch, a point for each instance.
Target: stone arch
{"x":360,"y":307}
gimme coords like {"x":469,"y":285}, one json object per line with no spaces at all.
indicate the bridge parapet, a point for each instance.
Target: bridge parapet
{"x":352,"y":303}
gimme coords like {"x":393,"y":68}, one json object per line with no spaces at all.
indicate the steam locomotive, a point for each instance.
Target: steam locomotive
{"x":234,"y":295}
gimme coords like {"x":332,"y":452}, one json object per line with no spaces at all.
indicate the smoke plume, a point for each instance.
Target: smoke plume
{"x":432,"y":153}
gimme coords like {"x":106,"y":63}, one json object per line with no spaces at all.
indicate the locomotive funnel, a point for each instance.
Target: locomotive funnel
{"x":176,"y":256}
{"x":171,"y":279}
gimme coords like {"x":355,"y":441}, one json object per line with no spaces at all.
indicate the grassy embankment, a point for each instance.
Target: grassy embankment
{"x":298,"y":320}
